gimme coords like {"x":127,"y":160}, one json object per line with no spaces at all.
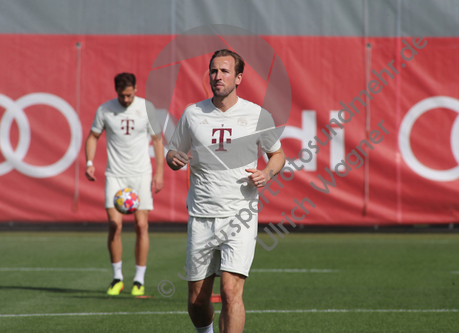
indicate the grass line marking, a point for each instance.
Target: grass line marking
{"x":377,"y":241}
{"x":28,"y":269}
{"x":293,"y":270}
{"x":353,"y":310}
{"x":248,"y":311}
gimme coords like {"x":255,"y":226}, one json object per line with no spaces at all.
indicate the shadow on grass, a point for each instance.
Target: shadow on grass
{"x":54,"y":290}
{"x":119,"y":297}
{"x":95,"y":294}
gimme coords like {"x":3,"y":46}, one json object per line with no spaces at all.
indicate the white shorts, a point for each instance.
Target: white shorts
{"x":219,"y":244}
{"x":141,"y":184}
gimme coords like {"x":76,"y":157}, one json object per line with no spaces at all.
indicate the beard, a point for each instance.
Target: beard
{"x":221,"y":93}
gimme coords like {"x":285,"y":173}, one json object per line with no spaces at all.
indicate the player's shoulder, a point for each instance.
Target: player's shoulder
{"x":256,"y":112}
{"x":140,"y":103}
{"x":111,"y":106}
{"x":248,"y":105}
{"x":139,"y":100}
{"x":199,"y":108}
{"x":250,"y":108}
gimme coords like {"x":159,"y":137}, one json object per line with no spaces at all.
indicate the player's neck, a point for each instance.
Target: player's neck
{"x":126,"y":106}
{"x":225,"y":103}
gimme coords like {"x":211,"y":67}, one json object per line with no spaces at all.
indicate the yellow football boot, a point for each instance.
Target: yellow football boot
{"x":138,"y":289}
{"x":115,"y":287}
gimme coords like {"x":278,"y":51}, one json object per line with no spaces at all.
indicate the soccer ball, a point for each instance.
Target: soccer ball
{"x":126,"y":201}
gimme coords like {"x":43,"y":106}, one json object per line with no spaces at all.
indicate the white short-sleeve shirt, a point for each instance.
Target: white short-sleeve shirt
{"x":128,"y":130}
{"x":223,"y":145}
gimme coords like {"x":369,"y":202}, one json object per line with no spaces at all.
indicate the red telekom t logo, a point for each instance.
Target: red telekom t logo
{"x":127,"y":125}
{"x":221,"y":138}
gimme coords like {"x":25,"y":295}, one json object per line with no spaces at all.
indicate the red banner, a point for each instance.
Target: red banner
{"x":390,"y":157}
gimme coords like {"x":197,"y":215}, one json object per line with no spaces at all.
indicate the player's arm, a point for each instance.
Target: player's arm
{"x":177,"y":159}
{"x":158,"y":180}
{"x":90,"y":150}
{"x":180,"y":143}
{"x":276,"y":162}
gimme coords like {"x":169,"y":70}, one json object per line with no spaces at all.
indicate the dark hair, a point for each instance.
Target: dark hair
{"x":238,"y":61}
{"x":124,"y":80}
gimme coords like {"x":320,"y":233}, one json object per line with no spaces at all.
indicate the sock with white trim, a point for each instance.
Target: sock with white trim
{"x":207,"y":329}
{"x":140,"y":274}
{"x":117,"y":273}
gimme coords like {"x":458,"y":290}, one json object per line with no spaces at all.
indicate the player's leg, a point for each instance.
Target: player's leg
{"x":115,"y":248}
{"x":142,"y":244}
{"x":232,"y":317}
{"x":115,"y":218}
{"x":115,"y":225}
{"x":237,"y":253}
{"x":202,"y":264}
{"x":200,"y":307}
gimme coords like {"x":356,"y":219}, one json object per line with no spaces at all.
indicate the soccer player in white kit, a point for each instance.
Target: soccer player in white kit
{"x":223,"y":135}
{"x":127,"y":125}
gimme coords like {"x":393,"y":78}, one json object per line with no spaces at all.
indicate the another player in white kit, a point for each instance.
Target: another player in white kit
{"x":128,"y":128}
{"x":223,"y":135}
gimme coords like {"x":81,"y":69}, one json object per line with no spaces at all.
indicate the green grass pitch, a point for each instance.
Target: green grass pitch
{"x":351,"y":282}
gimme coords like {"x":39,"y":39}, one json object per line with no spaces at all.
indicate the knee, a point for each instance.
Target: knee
{"x":196,"y":303}
{"x":141,"y":228}
{"x":230,"y":294}
{"x":198,"y":300}
{"x":141,"y":222}
{"x":115,"y":227}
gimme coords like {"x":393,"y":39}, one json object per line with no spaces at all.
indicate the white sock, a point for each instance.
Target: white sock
{"x":207,"y":329}
{"x":140,"y":274}
{"x":117,"y":273}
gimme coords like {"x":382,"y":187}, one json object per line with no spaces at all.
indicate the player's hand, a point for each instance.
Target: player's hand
{"x":90,"y":171}
{"x":258,"y":178}
{"x":177,"y":159}
{"x":158,"y":182}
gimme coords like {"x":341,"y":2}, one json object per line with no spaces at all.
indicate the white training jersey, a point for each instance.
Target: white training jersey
{"x":128,"y":130}
{"x":223,"y":145}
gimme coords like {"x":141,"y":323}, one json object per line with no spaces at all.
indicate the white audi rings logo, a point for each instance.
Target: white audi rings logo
{"x":405,"y":144}
{"x":15,"y":111}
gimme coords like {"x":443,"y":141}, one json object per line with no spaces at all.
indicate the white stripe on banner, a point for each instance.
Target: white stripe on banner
{"x":248,"y":311}
{"x":28,"y":269}
{"x":293,"y":270}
